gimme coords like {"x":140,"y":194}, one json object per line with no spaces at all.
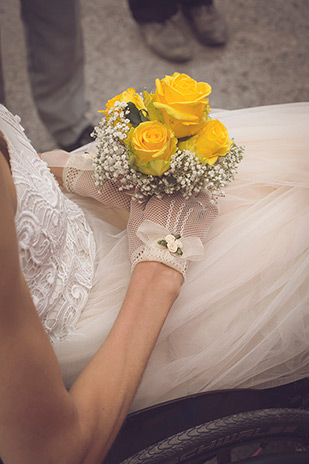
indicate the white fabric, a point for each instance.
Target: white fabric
{"x":242,"y":319}
{"x":56,"y":245}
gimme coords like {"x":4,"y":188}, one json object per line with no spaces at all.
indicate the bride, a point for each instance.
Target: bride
{"x":74,"y":315}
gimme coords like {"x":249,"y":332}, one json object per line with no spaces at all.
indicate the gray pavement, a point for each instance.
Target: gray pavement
{"x":265,"y":61}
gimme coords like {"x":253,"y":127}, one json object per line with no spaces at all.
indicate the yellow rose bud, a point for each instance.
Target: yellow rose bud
{"x":212,"y":141}
{"x":127,"y":96}
{"x":151,"y":145}
{"x":182,"y":102}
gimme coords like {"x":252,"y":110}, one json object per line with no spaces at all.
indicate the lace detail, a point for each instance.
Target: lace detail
{"x":152,"y":253}
{"x":57,"y":247}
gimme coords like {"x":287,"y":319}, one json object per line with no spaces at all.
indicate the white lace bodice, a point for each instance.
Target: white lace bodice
{"x":57,"y":247}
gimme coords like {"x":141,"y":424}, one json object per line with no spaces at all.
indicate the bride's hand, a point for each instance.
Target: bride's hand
{"x":74,"y":172}
{"x":157,"y":220}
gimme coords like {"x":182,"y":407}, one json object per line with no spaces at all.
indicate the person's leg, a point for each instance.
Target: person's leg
{"x":56,"y":66}
{"x":152,"y":10}
{"x":159,"y":30}
{"x":206,"y":22}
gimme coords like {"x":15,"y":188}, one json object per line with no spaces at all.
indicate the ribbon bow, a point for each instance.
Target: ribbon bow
{"x":151,"y":233}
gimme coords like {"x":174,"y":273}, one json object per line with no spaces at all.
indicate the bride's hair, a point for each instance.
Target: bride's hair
{"x":4,"y":148}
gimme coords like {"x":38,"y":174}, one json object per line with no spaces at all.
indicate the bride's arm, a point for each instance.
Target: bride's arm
{"x":39,"y":420}
{"x":115,"y":371}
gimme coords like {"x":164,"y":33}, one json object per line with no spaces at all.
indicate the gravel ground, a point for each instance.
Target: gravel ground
{"x":265,"y":61}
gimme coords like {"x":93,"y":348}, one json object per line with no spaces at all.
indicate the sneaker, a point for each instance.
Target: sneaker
{"x":166,"y":40}
{"x":207,"y":24}
{"x":83,"y":139}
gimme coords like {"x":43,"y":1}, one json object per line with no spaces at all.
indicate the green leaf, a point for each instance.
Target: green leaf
{"x":134,"y":114}
{"x":184,"y":139}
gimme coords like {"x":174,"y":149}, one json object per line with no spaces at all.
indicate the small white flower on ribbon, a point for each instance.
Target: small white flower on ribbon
{"x":172,"y":243}
{"x":170,"y":238}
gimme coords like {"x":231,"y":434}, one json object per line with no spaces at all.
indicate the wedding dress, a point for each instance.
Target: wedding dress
{"x":242,"y":318}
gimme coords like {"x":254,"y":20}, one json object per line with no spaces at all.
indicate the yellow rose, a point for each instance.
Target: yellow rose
{"x":151,"y":145}
{"x":182,"y":102}
{"x":127,"y":96}
{"x":212,"y":141}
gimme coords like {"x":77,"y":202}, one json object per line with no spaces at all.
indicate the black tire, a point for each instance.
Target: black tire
{"x":206,"y":440}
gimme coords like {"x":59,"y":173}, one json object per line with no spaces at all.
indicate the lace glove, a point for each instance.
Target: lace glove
{"x":77,"y":178}
{"x":171,"y":230}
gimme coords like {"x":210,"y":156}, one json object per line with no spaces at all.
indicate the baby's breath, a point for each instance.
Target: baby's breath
{"x":186,"y":173}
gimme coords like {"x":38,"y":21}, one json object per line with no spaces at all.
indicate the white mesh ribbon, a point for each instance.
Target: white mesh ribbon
{"x":151,"y":233}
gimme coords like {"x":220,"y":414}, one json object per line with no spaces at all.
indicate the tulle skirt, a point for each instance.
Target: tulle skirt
{"x":242,"y":318}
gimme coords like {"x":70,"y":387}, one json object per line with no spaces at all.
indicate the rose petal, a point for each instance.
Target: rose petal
{"x":172,"y":246}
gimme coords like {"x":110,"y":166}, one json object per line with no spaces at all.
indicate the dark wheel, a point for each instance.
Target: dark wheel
{"x":197,"y":444}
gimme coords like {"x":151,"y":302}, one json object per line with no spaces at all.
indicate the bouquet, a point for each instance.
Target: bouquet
{"x":164,"y":142}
